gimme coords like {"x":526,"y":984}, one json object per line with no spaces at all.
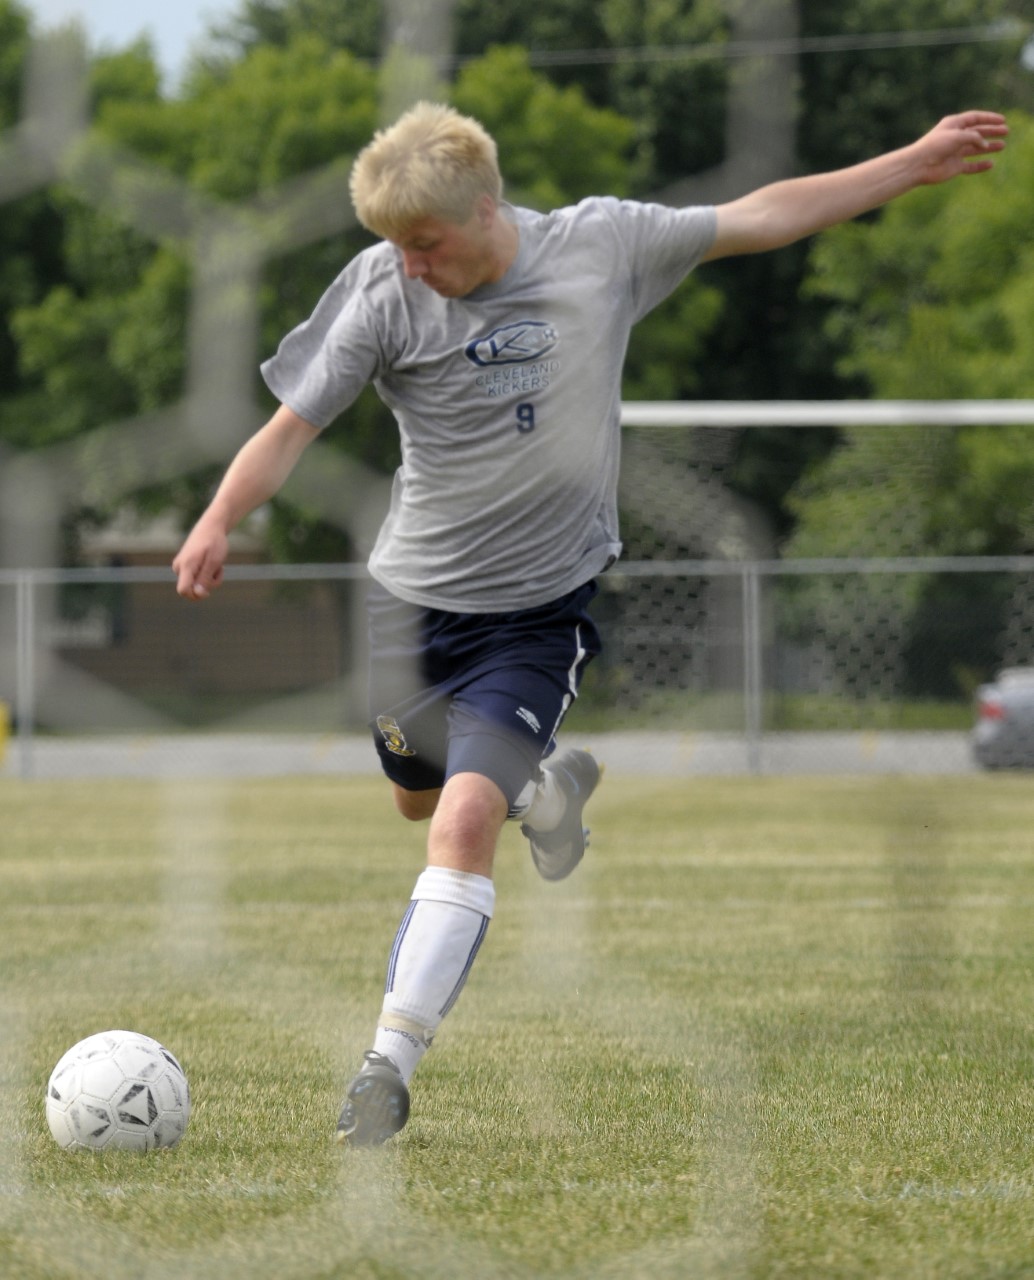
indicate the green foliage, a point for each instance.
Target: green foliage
{"x":74,"y":269}
{"x":30,"y":259}
{"x":64,"y":343}
{"x":932,"y":300}
{"x":286,"y":86}
{"x":678,"y":105}
{"x":279,"y":112}
{"x":664,"y":353}
{"x":560,"y":27}
{"x":674,"y":104}
{"x":129,"y":76}
{"x":112,"y":340}
{"x":14,"y":47}
{"x":356,"y":26}
{"x":935,"y":299}
{"x":775,"y":342}
{"x":147,"y":349}
{"x":865,"y":101}
{"x":554,"y":147}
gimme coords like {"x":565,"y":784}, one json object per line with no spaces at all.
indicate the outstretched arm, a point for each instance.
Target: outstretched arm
{"x":256,"y":473}
{"x":783,"y":212}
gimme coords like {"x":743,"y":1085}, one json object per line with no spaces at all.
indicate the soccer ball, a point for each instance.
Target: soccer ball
{"x":117,"y":1091}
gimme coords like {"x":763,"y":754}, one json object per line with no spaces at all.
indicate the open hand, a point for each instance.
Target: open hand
{"x":962,"y":144}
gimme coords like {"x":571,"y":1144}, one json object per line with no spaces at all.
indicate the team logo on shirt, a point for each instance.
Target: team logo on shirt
{"x":517,"y":343}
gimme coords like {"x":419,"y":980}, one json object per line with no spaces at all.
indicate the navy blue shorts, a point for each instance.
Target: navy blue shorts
{"x":473,"y":692}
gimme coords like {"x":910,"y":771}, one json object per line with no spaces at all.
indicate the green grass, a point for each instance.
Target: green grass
{"x":771,"y":1028}
{"x":601,"y":708}
{"x":781,"y":712}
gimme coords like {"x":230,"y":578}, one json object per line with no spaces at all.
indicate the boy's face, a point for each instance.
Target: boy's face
{"x":452,"y":258}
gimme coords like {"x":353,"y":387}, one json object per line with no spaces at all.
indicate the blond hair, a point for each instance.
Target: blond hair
{"x":431,"y":163}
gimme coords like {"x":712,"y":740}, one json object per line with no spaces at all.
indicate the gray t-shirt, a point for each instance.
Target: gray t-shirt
{"x":508,"y":400}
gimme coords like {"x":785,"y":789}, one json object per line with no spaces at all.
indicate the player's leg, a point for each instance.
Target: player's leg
{"x":446,"y":920}
{"x":416,"y":806}
{"x":550,"y":805}
{"x":530,"y":698}
{"x":452,"y":901}
{"x":445,"y":923}
{"x":493,"y":773}
{"x":466,"y":823}
{"x":434,"y":949}
{"x":408,"y":719}
{"x":481,"y":736}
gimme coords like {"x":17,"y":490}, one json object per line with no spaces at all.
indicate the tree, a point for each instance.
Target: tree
{"x":100,"y":311}
{"x":356,"y":26}
{"x":861,"y":101}
{"x":774,"y":342}
{"x":560,"y":28}
{"x":674,"y":104}
{"x":935,"y":299}
{"x":30,"y":228}
{"x":111,"y":339}
{"x":853,"y":103}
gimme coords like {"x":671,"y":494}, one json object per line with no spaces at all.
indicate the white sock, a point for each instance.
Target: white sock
{"x":434,"y":949}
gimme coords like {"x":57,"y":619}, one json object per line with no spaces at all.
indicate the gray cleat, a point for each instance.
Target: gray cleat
{"x":556,"y":853}
{"x":376,"y":1103}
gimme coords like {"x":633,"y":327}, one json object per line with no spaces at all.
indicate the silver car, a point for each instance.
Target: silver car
{"x":1003,"y":737}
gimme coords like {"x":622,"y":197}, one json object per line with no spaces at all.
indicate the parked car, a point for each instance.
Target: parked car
{"x":1003,"y":737}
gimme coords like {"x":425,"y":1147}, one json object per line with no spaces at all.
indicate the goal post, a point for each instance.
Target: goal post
{"x":825,"y":413}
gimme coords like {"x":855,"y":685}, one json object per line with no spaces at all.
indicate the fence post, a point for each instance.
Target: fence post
{"x":25,"y":681}
{"x":752,"y":710}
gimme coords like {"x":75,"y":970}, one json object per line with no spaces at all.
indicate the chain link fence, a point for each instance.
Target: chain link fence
{"x":752,"y":665}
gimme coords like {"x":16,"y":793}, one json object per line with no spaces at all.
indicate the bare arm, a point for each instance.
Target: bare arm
{"x":783,"y":212}
{"x":256,"y":473}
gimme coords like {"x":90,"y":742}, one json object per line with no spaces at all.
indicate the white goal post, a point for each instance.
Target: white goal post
{"x":824,"y":413}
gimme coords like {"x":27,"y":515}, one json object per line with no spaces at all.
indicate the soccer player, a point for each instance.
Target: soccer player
{"x":496,"y":336}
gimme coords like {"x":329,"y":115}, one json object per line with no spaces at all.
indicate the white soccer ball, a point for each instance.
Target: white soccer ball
{"x":118,"y":1091}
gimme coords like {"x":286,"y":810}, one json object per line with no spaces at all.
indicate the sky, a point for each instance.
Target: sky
{"x":173,"y":25}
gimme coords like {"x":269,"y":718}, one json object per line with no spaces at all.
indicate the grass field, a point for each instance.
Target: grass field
{"x":771,"y":1028}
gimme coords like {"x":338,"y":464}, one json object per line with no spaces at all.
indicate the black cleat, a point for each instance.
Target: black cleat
{"x":556,"y":853}
{"x":376,"y":1103}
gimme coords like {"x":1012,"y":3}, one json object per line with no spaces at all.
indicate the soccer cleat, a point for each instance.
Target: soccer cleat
{"x":556,"y":853}
{"x":376,"y":1103}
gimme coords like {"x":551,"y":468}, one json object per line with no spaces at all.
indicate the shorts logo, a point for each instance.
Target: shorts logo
{"x":530,"y":718}
{"x":393,"y":736}
{"x":518,"y":343}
